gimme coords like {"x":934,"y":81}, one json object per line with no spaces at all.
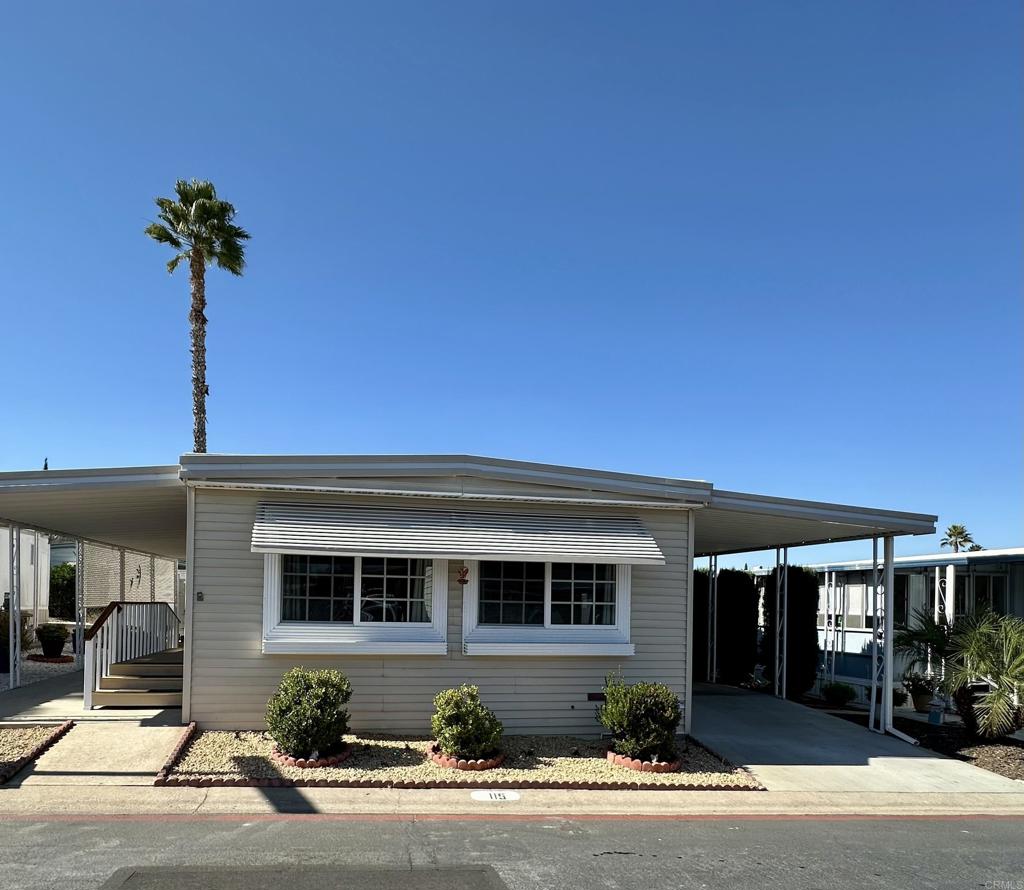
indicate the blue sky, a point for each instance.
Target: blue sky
{"x":773,"y":245}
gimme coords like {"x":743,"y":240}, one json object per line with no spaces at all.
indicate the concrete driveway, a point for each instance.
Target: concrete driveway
{"x":790,"y":747}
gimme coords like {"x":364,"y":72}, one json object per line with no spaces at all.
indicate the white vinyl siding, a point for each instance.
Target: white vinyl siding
{"x":232,"y":678}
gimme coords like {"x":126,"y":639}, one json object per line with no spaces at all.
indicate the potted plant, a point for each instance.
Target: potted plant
{"x":921,"y":688}
{"x":52,"y":638}
{"x":468,"y":734}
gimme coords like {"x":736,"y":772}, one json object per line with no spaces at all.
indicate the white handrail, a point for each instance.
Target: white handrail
{"x":125,"y":631}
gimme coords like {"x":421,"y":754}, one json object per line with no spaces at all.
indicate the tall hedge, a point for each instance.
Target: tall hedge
{"x":737,"y":625}
{"x":802,"y":651}
{"x":62,"y":591}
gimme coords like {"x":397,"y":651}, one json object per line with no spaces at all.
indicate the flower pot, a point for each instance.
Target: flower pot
{"x":922,"y":702}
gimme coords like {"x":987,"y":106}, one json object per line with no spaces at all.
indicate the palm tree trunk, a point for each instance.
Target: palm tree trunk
{"x":197,"y":319}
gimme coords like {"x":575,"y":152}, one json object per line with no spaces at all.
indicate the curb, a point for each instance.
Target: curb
{"x":172,"y":761}
{"x":242,"y":782}
{"x":12,"y":769}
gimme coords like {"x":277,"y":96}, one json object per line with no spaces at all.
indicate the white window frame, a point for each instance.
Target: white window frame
{"x":549,"y":639}
{"x":359,"y":637}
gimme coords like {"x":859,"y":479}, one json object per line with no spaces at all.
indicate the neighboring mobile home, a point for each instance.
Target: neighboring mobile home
{"x":415,"y":573}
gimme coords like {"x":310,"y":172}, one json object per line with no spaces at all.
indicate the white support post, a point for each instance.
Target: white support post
{"x":875,"y":721}
{"x":79,"y":603}
{"x":14,"y":607}
{"x":152,"y":579}
{"x":778,"y":622}
{"x":785,"y":616}
{"x":121,"y":580}
{"x":889,"y":584}
{"x":712,"y":673}
{"x":950,"y":594}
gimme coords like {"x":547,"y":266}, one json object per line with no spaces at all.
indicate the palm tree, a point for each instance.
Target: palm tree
{"x":956,"y":537}
{"x":927,"y":642}
{"x":988,"y":648}
{"x":201,"y":228}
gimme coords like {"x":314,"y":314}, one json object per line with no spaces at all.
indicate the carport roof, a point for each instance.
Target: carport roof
{"x":143,"y":508}
{"x":139,"y":508}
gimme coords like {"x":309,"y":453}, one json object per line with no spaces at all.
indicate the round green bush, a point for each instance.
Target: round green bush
{"x":838,"y":695}
{"x":643,"y":719}
{"x":463,"y":727}
{"x":307,"y":715}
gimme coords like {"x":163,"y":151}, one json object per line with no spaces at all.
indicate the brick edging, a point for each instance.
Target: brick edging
{"x":12,"y":769}
{"x":240,"y":782}
{"x":172,"y":761}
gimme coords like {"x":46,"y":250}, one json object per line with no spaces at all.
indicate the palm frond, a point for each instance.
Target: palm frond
{"x":163,"y":235}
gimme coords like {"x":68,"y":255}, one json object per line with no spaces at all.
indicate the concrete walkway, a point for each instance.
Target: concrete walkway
{"x":793,"y":748}
{"x":60,"y":698}
{"x":104,"y":753}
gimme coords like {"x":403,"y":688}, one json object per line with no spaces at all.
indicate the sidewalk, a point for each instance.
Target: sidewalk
{"x":79,"y":802}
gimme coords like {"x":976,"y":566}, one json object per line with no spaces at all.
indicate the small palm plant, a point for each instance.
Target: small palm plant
{"x":957,"y":537}
{"x":201,"y":228}
{"x":926,"y":643}
{"x":988,"y":649}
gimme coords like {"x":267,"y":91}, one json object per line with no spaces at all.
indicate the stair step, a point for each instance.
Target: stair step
{"x":172,"y":684}
{"x":137,"y":698}
{"x":146,"y":669}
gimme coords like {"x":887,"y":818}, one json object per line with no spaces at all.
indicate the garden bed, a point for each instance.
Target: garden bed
{"x":20,"y":745}
{"x":245,"y":758}
{"x":1005,"y":757}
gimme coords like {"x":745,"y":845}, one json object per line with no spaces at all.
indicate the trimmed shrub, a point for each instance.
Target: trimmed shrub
{"x":838,"y":695}
{"x":802,"y":651}
{"x":52,"y":638}
{"x":307,"y":717}
{"x":643,"y":719}
{"x":62,"y":591}
{"x":463,"y":727}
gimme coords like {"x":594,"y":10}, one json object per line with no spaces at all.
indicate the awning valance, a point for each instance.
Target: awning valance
{"x":443,"y":534}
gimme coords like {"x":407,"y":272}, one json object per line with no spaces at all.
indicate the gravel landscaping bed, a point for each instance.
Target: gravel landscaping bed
{"x":384,"y":761}
{"x":18,"y":743}
{"x":34,"y":671}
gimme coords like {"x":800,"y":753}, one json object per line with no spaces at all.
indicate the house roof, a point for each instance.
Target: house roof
{"x":928,"y":560}
{"x":143,"y":508}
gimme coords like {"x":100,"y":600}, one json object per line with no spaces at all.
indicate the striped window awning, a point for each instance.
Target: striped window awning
{"x":442,"y":534}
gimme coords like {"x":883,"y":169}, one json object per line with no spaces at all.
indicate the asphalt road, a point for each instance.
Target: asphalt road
{"x":559,"y":854}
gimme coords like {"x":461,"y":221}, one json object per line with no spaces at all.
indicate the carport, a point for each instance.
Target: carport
{"x":737,"y":522}
{"x":138,"y":509}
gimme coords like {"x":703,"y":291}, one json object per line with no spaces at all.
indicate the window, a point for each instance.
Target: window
{"x":582,"y":593}
{"x":537,"y":608}
{"x":395,"y":590}
{"x":322,"y":588}
{"x":317,"y":588}
{"x":354,"y":604}
{"x":512,"y":593}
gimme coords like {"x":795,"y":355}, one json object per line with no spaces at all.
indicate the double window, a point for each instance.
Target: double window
{"x":340,"y":588}
{"x":354,"y":604}
{"x":546,"y":608}
{"x":547,"y":594}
